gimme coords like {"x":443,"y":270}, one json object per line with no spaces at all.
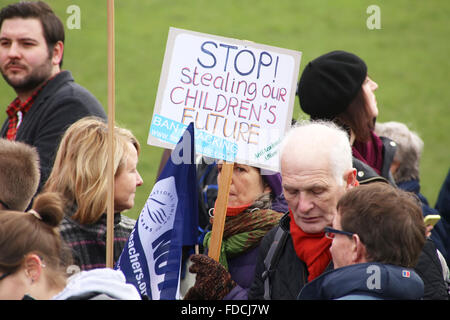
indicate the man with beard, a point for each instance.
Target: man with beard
{"x":48,"y":100}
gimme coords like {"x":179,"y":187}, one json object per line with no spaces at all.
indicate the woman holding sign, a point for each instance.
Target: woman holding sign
{"x":249,"y":218}
{"x":336,"y":86}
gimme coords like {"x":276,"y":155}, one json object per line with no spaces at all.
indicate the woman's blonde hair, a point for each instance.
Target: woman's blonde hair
{"x":79,"y":171}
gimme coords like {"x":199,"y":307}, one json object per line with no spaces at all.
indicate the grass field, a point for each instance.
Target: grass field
{"x":408,"y":58}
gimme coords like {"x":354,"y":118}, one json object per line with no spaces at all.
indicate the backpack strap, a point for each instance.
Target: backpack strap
{"x":271,"y":259}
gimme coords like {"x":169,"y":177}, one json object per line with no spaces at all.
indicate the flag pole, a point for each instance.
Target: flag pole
{"x":111,"y":116}
{"x":221,"y":210}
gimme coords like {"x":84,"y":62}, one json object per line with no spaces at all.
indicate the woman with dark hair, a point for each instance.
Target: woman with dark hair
{"x":337,"y":87}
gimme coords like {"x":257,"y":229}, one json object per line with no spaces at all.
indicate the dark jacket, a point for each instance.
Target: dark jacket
{"x":366,"y":174}
{"x":290,"y":273}
{"x":414,"y":187}
{"x":60,"y":103}
{"x":441,"y":231}
{"x":365,"y":281}
{"x":242,"y":271}
{"x":429,"y":269}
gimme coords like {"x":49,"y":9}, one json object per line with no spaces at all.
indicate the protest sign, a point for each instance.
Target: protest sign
{"x":239,"y":94}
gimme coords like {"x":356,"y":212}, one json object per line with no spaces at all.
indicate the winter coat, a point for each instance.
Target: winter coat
{"x":429,"y":269}
{"x":242,"y":271}
{"x":98,"y":284}
{"x":365,"y":281}
{"x":60,"y":103}
{"x":441,"y":231}
{"x":366,"y":174}
{"x":290,"y":274}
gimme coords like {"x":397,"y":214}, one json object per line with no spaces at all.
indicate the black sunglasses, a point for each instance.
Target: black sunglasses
{"x":330,"y":233}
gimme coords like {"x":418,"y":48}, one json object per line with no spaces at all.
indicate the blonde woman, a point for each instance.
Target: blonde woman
{"x":79,"y":175}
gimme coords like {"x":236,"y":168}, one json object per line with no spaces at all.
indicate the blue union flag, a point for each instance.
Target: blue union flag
{"x":151,"y":259}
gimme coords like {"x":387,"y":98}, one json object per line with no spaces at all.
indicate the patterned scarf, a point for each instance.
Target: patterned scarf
{"x":244,"y":229}
{"x":17,"y":110}
{"x":311,"y":248}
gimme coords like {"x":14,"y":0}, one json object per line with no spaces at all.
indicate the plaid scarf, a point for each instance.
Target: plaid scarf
{"x":17,"y":110}
{"x":244,"y":231}
{"x":88,"y":241}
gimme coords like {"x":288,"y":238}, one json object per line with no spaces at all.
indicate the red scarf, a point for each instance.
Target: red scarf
{"x":311,"y":248}
{"x":231,"y":211}
{"x":234,"y":211}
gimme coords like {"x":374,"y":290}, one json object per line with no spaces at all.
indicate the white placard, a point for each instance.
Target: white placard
{"x":239,"y":94}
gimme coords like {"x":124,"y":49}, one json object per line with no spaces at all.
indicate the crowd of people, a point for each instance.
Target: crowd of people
{"x":344,"y":219}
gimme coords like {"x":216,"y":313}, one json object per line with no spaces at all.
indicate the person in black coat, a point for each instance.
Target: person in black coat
{"x":442,"y":229}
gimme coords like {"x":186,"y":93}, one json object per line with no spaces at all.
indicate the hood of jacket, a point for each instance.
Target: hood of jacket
{"x":108,"y":282}
{"x":370,"y":280}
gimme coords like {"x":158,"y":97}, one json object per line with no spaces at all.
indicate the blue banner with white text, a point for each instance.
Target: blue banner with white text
{"x":151,"y":259}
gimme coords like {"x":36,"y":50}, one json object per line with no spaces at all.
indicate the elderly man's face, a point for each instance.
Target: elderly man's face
{"x":311,"y":191}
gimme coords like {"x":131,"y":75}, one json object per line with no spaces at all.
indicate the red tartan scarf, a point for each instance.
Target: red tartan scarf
{"x":17,"y":110}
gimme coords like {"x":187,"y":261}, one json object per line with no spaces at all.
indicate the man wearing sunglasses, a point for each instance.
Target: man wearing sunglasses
{"x":377,"y":237}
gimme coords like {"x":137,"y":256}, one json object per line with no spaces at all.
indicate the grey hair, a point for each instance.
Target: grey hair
{"x":409,"y":149}
{"x":324,"y":137}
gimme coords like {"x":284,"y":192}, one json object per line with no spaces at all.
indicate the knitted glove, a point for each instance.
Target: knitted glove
{"x":213,"y":282}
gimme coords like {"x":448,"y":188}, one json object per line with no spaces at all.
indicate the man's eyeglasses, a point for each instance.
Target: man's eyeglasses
{"x":330,"y":233}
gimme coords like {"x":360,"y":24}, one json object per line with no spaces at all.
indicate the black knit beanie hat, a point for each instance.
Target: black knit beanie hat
{"x":329,"y":83}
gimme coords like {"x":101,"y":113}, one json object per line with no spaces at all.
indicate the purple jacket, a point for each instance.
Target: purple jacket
{"x":242,"y":270}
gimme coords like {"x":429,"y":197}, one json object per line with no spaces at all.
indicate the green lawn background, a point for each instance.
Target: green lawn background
{"x":408,"y":58}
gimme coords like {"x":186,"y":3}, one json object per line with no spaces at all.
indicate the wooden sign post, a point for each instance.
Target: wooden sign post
{"x":221,"y":210}
{"x":111,"y":116}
